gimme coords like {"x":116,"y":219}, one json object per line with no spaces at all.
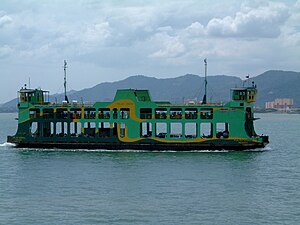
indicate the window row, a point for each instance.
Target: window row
{"x":187,"y":130}
{"x":76,"y":113}
{"x":244,"y":95}
{"x":74,"y":129}
{"x":123,"y":113}
{"x":176,"y":113}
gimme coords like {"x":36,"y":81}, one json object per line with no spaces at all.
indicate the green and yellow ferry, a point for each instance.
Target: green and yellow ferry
{"x":133,"y":121}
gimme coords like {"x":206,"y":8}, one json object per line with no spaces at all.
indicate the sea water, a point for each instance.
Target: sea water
{"x":46,"y":186}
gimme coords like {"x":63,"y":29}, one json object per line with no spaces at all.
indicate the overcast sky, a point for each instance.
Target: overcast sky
{"x":110,"y":40}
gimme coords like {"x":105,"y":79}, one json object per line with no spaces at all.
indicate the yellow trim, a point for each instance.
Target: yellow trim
{"x":126,"y":103}
{"x":126,"y":139}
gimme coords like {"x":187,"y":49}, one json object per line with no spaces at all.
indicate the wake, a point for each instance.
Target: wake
{"x":7,"y":144}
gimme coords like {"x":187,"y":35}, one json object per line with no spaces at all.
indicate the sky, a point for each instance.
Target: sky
{"x":105,"y":41}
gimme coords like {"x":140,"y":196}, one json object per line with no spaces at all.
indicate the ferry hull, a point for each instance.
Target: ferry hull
{"x":231,"y":146}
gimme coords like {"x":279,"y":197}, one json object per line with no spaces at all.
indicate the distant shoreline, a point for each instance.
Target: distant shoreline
{"x":297,"y":111}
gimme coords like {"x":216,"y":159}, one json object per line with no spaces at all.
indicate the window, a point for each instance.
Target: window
{"x":206,"y":113}
{"x":242,"y":95}
{"x":104,"y":113}
{"x":75,"y":129}
{"x":34,"y":113}
{"x":62,"y":113}
{"x":89,"y":113}
{"x":161,"y":130}
{"x":48,"y":113}
{"x":190,"y":130}
{"x":124,"y":113}
{"x":191,"y":113}
{"x":75,"y":113}
{"x":52,"y":128}
{"x":146,"y":113}
{"x":222,"y":130}
{"x":115,"y":113}
{"x":61,"y":129}
{"x":114,"y":128}
{"x":206,"y":130}
{"x":160,"y":113}
{"x":145,"y":129}
{"x":34,"y":129}
{"x":176,"y":130}
{"x":175,"y":113}
{"x":104,"y":129}
{"x":46,"y":129}
{"x":58,"y":128}
{"x":89,"y":129}
{"x":122,"y":130}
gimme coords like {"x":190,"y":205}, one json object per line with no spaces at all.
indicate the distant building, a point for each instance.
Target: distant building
{"x":269,"y":105}
{"x":280,"y":104}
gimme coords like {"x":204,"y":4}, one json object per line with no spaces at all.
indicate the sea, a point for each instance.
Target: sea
{"x":46,"y":186}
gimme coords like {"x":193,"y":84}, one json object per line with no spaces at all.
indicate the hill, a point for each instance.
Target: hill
{"x":271,"y":84}
{"x":170,"y":89}
{"x":278,"y":84}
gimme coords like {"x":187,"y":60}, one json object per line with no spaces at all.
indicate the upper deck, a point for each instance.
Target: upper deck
{"x":126,"y":102}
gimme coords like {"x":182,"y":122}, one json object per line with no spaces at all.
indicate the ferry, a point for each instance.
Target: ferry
{"x":134,"y":121}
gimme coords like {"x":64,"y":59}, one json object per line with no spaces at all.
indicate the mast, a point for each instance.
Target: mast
{"x":205,"y":82}
{"x":65,"y":80}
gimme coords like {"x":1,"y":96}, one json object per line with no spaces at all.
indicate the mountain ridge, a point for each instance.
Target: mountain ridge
{"x":271,"y":84}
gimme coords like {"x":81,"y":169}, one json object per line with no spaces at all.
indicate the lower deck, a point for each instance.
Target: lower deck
{"x":104,"y":130}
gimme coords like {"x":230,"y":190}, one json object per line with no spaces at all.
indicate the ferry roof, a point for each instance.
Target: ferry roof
{"x":243,"y":88}
{"x":138,"y":95}
{"x":25,"y":90}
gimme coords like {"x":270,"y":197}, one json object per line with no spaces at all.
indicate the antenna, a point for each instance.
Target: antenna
{"x":247,"y":79}
{"x":29,"y":82}
{"x":65,"y":80}
{"x":205,"y":82}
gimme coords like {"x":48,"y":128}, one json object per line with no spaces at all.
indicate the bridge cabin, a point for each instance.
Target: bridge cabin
{"x":33,"y":96}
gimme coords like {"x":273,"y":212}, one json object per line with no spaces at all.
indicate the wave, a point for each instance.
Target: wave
{"x":120,"y":151}
{"x":7,"y":144}
{"x":265,"y":149}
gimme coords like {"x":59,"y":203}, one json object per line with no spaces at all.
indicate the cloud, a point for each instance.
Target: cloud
{"x":290,"y":36}
{"x":196,"y":29}
{"x":261,"y":22}
{"x":5,"y":20}
{"x":170,"y":47}
{"x":96,"y":34}
{"x":5,"y":51}
{"x":250,"y":23}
